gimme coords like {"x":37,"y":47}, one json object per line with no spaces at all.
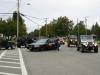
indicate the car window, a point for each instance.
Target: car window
{"x":42,"y":41}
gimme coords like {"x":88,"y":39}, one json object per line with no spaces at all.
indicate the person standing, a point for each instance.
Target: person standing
{"x":57,"y":44}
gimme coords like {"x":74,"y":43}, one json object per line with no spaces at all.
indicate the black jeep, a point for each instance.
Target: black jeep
{"x":72,"y":40}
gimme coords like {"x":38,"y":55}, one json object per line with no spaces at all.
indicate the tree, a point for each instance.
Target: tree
{"x":96,"y":29}
{"x":60,"y":27}
{"x":22,"y":26}
{"x":36,"y":33}
{"x":63,"y":26}
{"x":79,"y":28}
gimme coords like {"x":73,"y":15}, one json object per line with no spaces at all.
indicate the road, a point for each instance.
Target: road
{"x":67,"y":61}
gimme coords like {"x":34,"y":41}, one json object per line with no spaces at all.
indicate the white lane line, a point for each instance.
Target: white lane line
{"x":4,"y":73}
{"x":3,"y":53}
{"x":24,"y":71}
{"x":9,"y":62}
{"x":10,"y":67}
{"x":13,"y":54}
{"x":10,"y":58}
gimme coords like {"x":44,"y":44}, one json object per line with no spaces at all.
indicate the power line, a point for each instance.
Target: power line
{"x":6,"y":13}
{"x":34,"y":17}
{"x":35,"y":23}
{"x":29,"y":19}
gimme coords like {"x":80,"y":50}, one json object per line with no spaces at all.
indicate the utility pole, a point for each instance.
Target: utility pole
{"x":78,"y":26}
{"x":18,"y":6}
{"x":39,"y":31}
{"x":46,"y":27}
{"x":78,"y":35}
{"x":86,"y":24}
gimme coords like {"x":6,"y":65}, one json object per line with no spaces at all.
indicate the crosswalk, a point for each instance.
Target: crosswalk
{"x":11,"y":63}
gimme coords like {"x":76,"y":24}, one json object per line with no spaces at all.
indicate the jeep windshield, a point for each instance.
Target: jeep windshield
{"x":86,"y":39}
{"x":73,"y":37}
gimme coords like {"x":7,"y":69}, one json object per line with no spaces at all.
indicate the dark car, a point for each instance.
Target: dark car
{"x":72,"y":40}
{"x":87,"y":44}
{"x":21,"y":42}
{"x":29,"y":41}
{"x":4,"y":43}
{"x":43,"y":44}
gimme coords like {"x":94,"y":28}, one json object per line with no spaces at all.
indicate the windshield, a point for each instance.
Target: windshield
{"x":73,"y":37}
{"x":86,"y":38}
{"x":42,"y":41}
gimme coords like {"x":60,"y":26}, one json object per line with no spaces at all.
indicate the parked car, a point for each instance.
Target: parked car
{"x":61,"y":40}
{"x":87,"y":43}
{"x":4,"y":43}
{"x":72,"y":40}
{"x":21,"y":42}
{"x":43,"y":44}
{"x":29,"y":41}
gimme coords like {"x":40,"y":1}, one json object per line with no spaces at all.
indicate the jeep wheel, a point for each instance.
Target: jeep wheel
{"x":31,"y":50}
{"x":6,"y":47}
{"x":82,"y":49}
{"x":68,"y":45}
{"x":96,"y":49}
{"x":78,"y":49}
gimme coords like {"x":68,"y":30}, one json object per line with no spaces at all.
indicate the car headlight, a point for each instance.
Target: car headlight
{"x":95,"y":44}
{"x":85,"y":44}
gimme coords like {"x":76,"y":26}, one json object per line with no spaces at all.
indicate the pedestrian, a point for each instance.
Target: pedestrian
{"x":57,"y":44}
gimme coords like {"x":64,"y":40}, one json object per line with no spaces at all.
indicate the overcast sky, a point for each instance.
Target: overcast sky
{"x":50,"y":9}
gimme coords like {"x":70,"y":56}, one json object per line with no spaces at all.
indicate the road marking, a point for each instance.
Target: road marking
{"x":24,"y":71}
{"x":10,"y":67}
{"x":10,"y":58}
{"x":3,"y":53}
{"x":3,"y":73}
{"x":10,"y":62}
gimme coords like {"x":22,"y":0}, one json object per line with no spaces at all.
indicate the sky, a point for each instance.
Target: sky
{"x":52,"y":9}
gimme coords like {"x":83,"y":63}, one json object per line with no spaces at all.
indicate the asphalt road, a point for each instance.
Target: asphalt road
{"x":67,"y":61}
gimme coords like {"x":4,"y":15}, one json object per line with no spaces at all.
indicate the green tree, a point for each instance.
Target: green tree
{"x":79,"y":28}
{"x":36,"y":33}
{"x":63,"y":26}
{"x":96,"y":29}
{"x":22,"y":26}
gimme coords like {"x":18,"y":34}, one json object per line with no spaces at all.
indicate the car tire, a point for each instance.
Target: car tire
{"x":68,"y":45}
{"x":31,"y":50}
{"x":78,"y":49}
{"x":96,"y":49}
{"x":82,"y":49}
{"x":6,"y":47}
